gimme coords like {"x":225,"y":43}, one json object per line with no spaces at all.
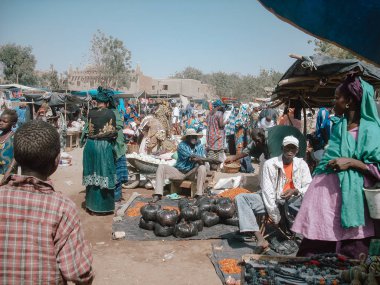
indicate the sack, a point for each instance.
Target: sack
{"x":185,"y":230}
{"x":146,"y":225}
{"x":167,"y":218}
{"x":234,"y":221}
{"x":162,"y":231}
{"x":198,"y":224}
{"x":184,"y":203}
{"x":210,"y":219}
{"x":225,"y":210}
{"x":149,"y":211}
{"x":190,"y":213}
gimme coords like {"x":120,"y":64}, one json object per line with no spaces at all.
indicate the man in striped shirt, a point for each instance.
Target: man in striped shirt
{"x":41,"y":240}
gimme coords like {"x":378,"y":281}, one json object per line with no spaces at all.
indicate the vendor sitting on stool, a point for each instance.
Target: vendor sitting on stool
{"x":283,"y":177}
{"x":189,"y":165}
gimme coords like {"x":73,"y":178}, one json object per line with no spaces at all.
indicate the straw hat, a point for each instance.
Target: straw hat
{"x":191,"y":132}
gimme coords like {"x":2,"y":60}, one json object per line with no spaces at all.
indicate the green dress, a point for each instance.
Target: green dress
{"x":99,"y":168}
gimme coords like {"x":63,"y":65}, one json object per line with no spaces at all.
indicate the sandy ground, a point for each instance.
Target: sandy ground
{"x":136,"y":262}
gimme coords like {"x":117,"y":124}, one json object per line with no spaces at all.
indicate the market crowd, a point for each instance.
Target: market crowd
{"x":321,"y":174}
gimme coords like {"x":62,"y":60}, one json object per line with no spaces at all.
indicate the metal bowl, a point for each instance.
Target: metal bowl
{"x":143,"y":167}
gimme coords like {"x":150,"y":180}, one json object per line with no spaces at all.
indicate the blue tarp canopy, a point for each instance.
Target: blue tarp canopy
{"x":350,"y":24}
{"x":91,"y":92}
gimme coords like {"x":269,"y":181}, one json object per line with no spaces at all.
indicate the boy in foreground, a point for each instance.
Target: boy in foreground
{"x":41,"y":240}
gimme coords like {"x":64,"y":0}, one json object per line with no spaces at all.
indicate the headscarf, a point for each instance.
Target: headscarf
{"x":366,"y":149}
{"x":105,"y":96}
{"x":353,"y":87}
{"x":217,"y":103}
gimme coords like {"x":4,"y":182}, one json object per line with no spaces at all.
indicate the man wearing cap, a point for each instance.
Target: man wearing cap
{"x":283,"y":177}
{"x":189,"y":165}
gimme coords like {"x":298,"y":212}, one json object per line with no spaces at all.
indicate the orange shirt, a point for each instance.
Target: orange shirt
{"x":289,"y":177}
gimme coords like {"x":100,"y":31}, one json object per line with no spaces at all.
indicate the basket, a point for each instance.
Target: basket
{"x":131,"y":148}
{"x":231,"y":168}
{"x":143,"y":167}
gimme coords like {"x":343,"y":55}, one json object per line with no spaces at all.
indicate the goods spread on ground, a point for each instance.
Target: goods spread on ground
{"x":189,"y":218}
{"x":232,"y":193}
{"x":319,"y":269}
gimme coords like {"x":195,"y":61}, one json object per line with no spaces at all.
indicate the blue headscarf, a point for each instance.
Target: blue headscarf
{"x":217,"y":103}
{"x":105,"y":96}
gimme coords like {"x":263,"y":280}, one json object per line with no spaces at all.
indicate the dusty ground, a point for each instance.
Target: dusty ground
{"x":135,"y":262}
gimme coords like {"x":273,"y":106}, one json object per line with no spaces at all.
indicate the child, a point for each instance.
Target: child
{"x":8,"y":120}
{"x":41,"y":240}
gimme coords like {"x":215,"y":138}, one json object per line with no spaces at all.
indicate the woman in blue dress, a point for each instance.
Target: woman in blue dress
{"x":8,"y":120}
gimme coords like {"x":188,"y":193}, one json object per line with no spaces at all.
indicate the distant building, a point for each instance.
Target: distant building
{"x":186,"y":89}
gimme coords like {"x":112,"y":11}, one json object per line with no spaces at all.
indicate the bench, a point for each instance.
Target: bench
{"x":177,"y":185}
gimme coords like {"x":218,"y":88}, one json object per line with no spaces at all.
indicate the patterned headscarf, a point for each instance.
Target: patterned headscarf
{"x":105,"y":96}
{"x":351,"y":86}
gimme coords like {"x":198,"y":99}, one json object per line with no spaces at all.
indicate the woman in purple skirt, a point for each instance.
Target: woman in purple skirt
{"x":334,"y":215}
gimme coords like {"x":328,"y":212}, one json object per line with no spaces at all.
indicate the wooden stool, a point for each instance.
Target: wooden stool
{"x":177,"y":185}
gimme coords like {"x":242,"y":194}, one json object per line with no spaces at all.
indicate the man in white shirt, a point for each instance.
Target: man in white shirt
{"x":283,"y":177}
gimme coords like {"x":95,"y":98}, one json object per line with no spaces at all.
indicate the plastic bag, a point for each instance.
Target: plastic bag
{"x":198,"y":224}
{"x":184,"y":203}
{"x":167,"y":218}
{"x":210,"y":219}
{"x":225,"y":210}
{"x":149,"y":211}
{"x":234,"y":221}
{"x":146,"y":225}
{"x":206,"y":207}
{"x":163,"y":231}
{"x":191,"y":213}
{"x":185,"y":230}
{"x":223,"y":200}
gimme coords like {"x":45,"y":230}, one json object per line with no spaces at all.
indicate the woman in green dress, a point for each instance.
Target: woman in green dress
{"x":99,"y":169}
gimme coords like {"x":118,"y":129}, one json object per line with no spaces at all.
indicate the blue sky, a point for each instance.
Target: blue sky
{"x":164,"y":36}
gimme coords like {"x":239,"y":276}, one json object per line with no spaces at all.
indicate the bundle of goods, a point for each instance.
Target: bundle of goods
{"x":150,"y":158}
{"x":65,"y":159}
{"x":319,"y":269}
{"x":191,"y":217}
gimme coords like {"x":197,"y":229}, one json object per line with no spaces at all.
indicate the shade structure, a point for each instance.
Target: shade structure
{"x":311,"y":80}
{"x":350,"y":24}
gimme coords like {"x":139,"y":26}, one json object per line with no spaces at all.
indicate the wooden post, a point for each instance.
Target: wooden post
{"x":304,"y":119}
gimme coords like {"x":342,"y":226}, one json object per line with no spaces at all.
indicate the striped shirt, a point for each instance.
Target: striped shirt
{"x":41,"y":240}
{"x":184,"y":164}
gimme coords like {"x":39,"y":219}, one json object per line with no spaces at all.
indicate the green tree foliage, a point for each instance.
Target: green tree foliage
{"x":19,"y":64}
{"x":50,"y":79}
{"x":243,"y":87}
{"x":325,"y":48}
{"x":111,"y":59}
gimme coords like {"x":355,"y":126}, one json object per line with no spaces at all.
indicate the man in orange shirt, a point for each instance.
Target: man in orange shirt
{"x":283,"y":177}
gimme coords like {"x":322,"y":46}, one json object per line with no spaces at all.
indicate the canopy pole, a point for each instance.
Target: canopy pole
{"x":65,"y":112}
{"x":304,"y":119}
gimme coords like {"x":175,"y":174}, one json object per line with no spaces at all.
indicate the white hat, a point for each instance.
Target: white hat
{"x":290,"y":140}
{"x":191,"y":132}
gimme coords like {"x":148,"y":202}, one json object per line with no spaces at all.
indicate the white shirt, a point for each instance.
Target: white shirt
{"x":175,"y":115}
{"x":264,"y":124}
{"x":272,"y":183}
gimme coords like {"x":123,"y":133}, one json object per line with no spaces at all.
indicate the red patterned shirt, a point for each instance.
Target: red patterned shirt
{"x":41,"y":240}
{"x":215,"y":134}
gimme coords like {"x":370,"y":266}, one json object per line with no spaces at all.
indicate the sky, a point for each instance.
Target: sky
{"x":164,"y":36}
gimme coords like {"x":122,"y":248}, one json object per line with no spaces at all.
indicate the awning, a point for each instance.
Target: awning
{"x":313,"y":80}
{"x":351,"y":24}
{"x":56,"y":99}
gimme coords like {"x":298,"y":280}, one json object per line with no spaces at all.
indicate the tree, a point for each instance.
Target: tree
{"x":19,"y":64}
{"x":111,"y":60}
{"x":190,"y":73}
{"x":325,"y":48}
{"x":243,"y":87}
